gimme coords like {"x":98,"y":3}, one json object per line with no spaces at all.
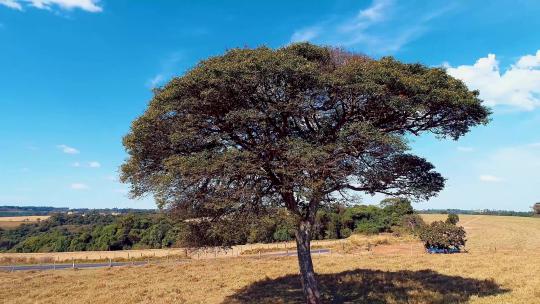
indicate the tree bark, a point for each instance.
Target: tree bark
{"x":309,"y":282}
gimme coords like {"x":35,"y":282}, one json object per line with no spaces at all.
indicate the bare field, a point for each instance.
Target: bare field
{"x":502,"y":266}
{"x":199,"y":253}
{"x":9,"y":222}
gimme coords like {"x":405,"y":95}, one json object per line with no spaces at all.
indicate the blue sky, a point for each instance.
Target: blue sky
{"x":75,"y":73}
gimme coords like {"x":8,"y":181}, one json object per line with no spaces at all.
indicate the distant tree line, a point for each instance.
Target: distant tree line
{"x":478,"y":212}
{"x":43,"y":210}
{"x":95,"y":231}
{"x":28,"y":210}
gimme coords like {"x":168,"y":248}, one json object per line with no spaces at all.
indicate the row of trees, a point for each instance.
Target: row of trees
{"x":482,"y":212}
{"x":93,"y":231}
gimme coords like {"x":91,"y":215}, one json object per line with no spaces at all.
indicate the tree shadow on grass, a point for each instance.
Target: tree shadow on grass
{"x":371,"y":286}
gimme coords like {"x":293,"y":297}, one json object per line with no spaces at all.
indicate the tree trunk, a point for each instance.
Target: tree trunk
{"x":309,"y":282}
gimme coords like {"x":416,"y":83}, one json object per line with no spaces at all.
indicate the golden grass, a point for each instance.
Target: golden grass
{"x":122,"y":255}
{"x":507,"y":275}
{"x":10,"y":222}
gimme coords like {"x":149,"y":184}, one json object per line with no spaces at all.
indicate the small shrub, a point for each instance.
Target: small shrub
{"x":452,"y":219}
{"x":366,"y":227}
{"x":345,"y":232}
{"x":536,"y":209}
{"x":442,"y":235}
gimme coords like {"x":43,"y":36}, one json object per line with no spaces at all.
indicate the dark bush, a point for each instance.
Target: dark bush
{"x":452,"y":219}
{"x":536,"y":209}
{"x":442,"y":235}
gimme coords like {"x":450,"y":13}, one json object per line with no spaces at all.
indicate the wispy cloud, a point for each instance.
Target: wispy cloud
{"x":517,"y":166}
{"x":517,"y":87}
{"x":91,"y":6}
{"x":121,"y":190}
{"x":306,"y":34}
{"x":94,"y":164}
{"x":111,"y":178}
{"x":168,"y":68}
{"x":156,"y":80}
{"x":465,"y":149}
{"x":67,"y":149}
{"x":382,"y":27}
{"x":79,"y":186}
{"x":14,"y":4}
{"x":490,"y":178}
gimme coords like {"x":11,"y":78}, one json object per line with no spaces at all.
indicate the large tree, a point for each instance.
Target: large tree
{"x":293,"y":127}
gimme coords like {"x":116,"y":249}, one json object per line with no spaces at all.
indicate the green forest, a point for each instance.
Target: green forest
{"x":95,"y":231}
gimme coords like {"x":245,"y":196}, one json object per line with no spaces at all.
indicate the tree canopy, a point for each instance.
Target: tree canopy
{"x":293,"y":127}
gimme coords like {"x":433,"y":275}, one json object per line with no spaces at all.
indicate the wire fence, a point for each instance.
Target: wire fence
{"x":93,"y":259}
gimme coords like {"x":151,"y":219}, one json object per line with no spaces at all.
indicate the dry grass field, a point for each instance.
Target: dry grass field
{"x":502,"y":266}
{"x":200,"y":253}
{"x":9,"y":222}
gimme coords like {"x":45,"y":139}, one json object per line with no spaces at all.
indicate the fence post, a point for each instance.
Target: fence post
{"x":110,"y":262}
{"x":73,"y":263}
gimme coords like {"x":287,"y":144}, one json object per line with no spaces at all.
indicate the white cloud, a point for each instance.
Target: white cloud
{"x":85,"y":5}
{"x":121,"y":190}
{"x":305,"y":34}
{"x":14,"y":4}
{"x":94,"y":164}
{"x":384,"y":26}
{"x":79,"y":186}
{"x":490,"y":178}
{"x":168,"y":67}
{"x":374,"y":12}
{"x":349,"y":31}
{"x":465,"y":149}
{"x":517,"y":87}
{"x":68,"y":150}
{"x":156,"y":80}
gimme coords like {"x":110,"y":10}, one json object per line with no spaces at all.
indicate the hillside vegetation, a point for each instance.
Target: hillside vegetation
{"x":94,"y":231}
{"x":500,"y":267}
